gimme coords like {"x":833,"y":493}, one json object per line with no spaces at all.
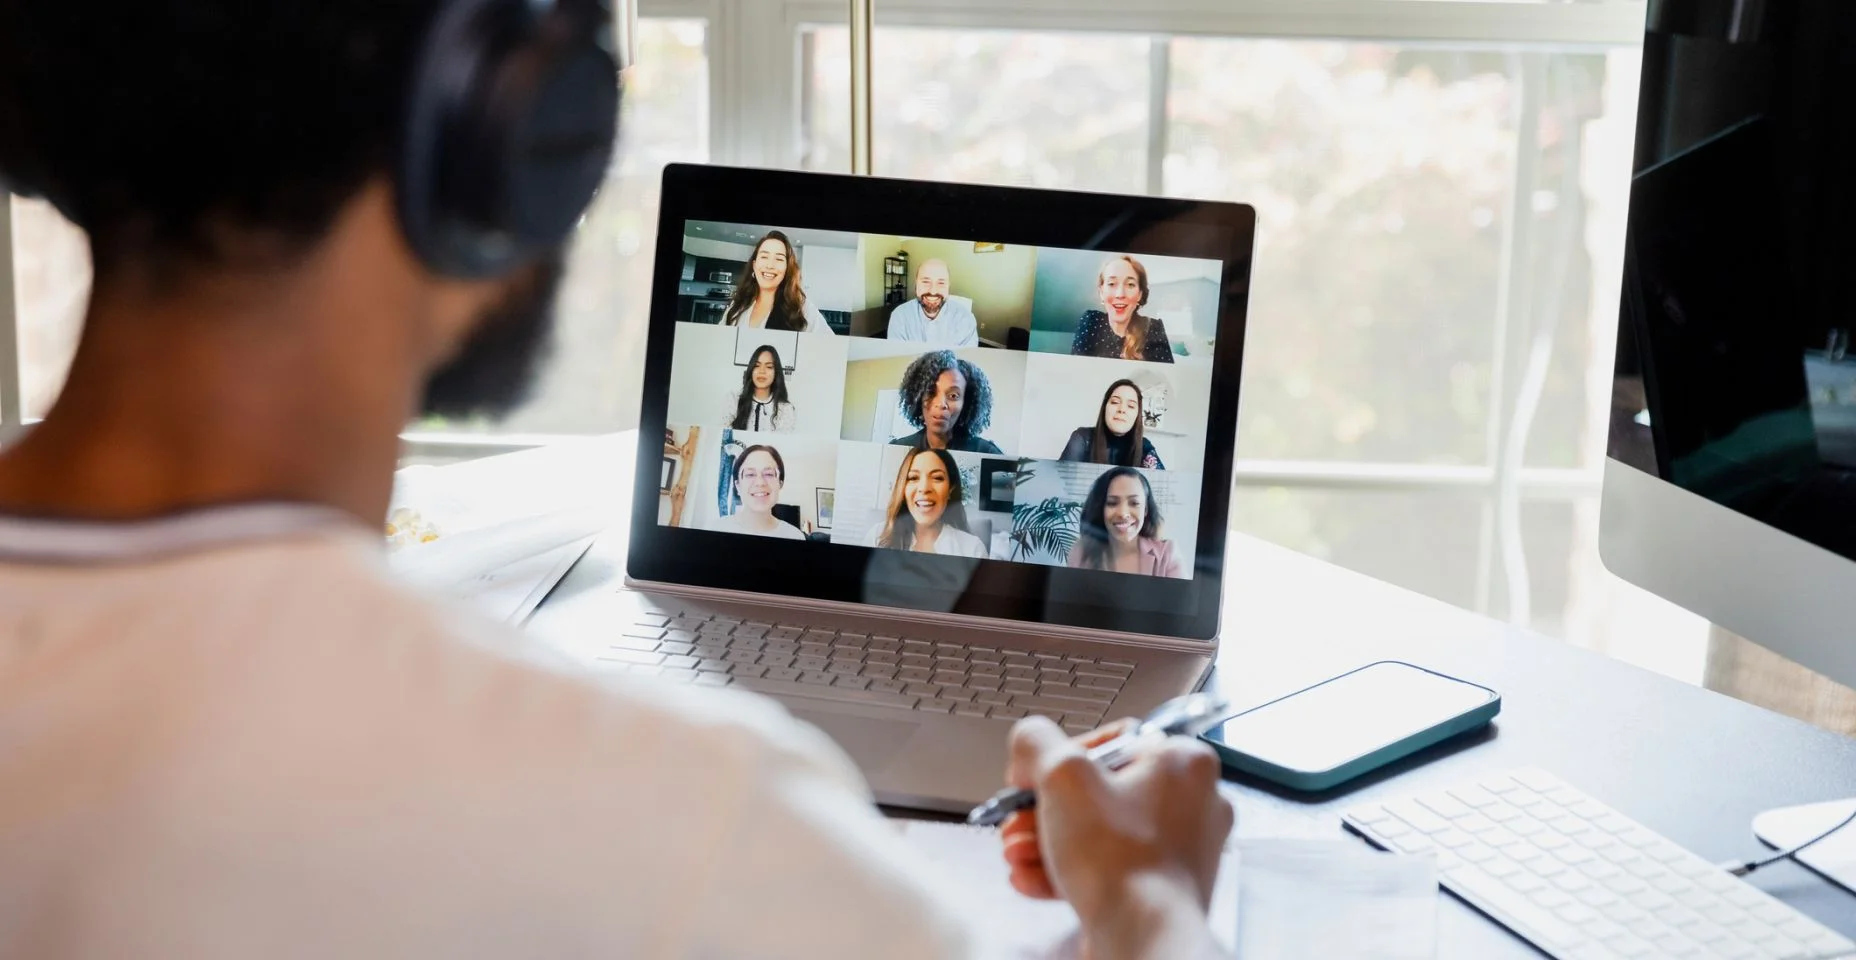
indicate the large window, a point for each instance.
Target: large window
{"x":1441,"y":206}
{"x":1441,"y":187}
{"x":591,"y":384}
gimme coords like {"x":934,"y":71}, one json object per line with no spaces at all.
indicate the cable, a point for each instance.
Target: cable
{"x":1745,"y":867}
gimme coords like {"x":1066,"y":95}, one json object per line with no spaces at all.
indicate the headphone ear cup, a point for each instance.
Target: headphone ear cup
{"x":510,"y":126}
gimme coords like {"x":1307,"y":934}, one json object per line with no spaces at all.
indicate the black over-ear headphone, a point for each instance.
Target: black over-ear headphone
{"x":510,"y":122}
{"x":509,"y":128}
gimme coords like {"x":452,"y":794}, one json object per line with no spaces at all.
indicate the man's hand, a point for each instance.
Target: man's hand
{"x":1135,"y":851}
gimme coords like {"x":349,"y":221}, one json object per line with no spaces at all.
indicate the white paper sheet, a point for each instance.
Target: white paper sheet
{"x":505,"y":569}
{"x":1334,"y":898}
{"x":1018,"y":927}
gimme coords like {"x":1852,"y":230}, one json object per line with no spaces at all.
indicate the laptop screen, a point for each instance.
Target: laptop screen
{"x":956,"y":413}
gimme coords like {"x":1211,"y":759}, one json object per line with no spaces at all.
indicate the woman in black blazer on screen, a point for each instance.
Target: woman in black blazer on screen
{"x":1117,"y":438}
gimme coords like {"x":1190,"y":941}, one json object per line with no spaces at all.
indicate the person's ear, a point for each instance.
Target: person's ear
{"x":369,"y":254}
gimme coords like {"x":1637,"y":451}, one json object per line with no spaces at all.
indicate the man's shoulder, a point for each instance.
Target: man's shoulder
{"x":307,"y":624}
{"x":332,"y":660}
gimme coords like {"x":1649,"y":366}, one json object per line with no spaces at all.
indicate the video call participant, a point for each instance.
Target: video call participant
{"x":1120,"y":528}
{"x":770,"y":293}
{"x":927,"y":512}
{"x":761,"y":405}
{"x":203,"y":643}
{"x":1118,"y":437}
{"x":760,"y":472}
{"x":950,"y":400}
{"x":1120,"y":329}
{"x":935,"y":315}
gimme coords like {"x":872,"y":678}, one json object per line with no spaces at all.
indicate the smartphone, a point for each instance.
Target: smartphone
{"x":1338,"y":729}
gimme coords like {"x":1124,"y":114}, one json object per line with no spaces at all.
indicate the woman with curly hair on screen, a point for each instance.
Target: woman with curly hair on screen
{"x":1121,"y":527}
{"x":926,"y":512}
{"x":950,"y":402}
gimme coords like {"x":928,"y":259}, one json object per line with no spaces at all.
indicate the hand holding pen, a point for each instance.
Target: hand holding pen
{"x":1134,"y":851}
{"x":1186,"y":716}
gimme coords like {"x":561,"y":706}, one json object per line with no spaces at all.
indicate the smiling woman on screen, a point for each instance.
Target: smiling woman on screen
{"x":769,"y":293}
{"x":925,"y":512}
{"x":1120,"y":329}
{"x":759,"y":475}
{"x":1121,"y":527}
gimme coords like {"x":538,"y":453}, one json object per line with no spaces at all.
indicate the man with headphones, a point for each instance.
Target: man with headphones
{"x":224,"y":730}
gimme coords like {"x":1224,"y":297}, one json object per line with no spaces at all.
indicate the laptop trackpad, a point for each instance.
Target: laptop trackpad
{"x":872,"y":744}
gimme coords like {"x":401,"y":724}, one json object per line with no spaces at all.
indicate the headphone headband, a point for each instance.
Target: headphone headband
{"x":509,"y":130}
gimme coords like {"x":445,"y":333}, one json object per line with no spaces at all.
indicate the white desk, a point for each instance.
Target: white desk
{"x":1692,"y":764}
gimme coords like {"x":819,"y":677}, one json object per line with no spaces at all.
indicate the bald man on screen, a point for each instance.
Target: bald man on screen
{"x":935,"y":316}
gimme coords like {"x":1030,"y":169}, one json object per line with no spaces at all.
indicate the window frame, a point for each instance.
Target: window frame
{"x":12,"y":366}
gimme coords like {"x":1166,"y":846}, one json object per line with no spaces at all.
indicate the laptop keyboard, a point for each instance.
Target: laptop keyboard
{"x":876,"y":669}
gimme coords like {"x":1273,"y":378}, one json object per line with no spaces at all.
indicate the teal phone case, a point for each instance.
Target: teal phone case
{"x":1314,"y":781}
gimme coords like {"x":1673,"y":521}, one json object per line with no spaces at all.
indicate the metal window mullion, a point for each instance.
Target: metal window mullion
{"x":863,"y":117}
{"x":1514,"y":313}
{"x":1159,"y":92}
{"x":12,"y":366}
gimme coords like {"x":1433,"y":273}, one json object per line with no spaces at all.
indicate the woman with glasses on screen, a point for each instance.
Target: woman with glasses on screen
{"x":1120,"y":329}
{"x":1118,"y":437}
{"x":1120,"y":529}
{"x":926,"y":513}
{"x":949,"y":400}
{"x":769,"y":293}
{"x":759,"y":474}
{"x":762,"y":405}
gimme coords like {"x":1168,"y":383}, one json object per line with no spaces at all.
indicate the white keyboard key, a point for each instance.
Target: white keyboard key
{"x":1475,"y":796}
{"x":1371,"y":816}
{"x":1535,"y":922}
{"x":1422,"y":820}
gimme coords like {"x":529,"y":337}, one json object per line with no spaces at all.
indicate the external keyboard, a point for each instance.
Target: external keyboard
{"x":1579,"y":880}
{"x":876,"y":669}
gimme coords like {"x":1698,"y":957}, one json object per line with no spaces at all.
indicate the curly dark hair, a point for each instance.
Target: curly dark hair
{"x":917,"y":388}
{"x":196,"y":130}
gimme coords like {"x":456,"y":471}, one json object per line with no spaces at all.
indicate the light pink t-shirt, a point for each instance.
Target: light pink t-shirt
{"x":270,"y":749}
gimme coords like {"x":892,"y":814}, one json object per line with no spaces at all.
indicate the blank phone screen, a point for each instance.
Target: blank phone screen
{"x":1325,"y":726}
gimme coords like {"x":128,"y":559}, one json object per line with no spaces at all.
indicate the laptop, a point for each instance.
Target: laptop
{"x":920,"y":459}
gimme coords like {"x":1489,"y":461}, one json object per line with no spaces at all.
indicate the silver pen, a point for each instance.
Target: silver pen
{"x":1186,"y":716}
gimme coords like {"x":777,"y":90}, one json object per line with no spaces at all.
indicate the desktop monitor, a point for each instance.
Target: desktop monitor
{"x":1730,"y":484}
